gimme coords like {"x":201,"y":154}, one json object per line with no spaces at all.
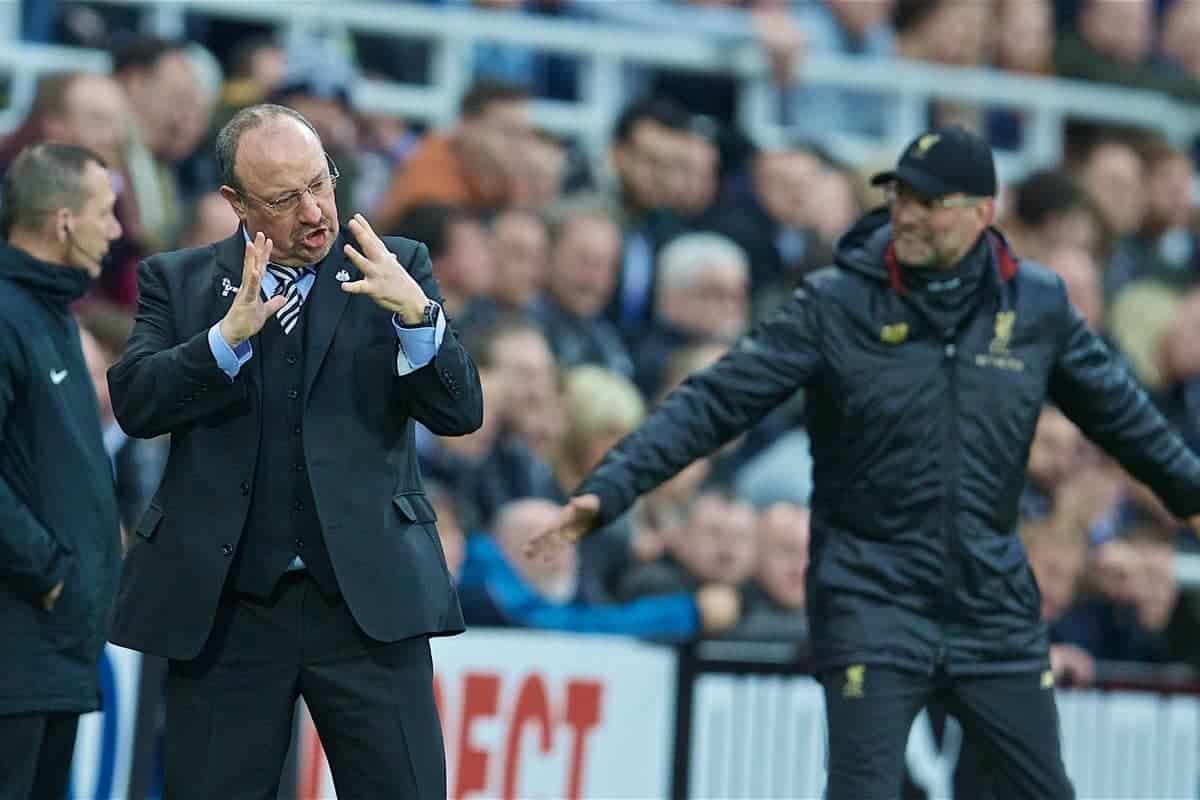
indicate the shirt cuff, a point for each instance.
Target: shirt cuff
{"x":230,"y":360}
{"x":418,"y":346}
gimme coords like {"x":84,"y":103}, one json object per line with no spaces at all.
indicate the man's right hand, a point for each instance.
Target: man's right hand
{"x":720,"y":607}
{"x":51,"y":597}
{"x":575,"y":519}
{"x":249,"y":312}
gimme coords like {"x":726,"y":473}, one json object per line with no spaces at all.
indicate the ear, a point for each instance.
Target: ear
{"x":62,"y":221}
{"x":235,"y":201}
{"x":986,"y":208}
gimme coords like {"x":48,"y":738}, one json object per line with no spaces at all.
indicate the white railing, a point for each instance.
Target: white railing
{"x":605,"y":51}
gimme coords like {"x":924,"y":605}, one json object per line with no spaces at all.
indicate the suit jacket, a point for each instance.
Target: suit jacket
{"x":358,"y":435}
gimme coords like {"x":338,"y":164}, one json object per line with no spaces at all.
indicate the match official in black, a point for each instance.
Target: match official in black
{"x":60,"y":532}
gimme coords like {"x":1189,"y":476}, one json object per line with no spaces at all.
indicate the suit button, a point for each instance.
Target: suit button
{"x":299,"y":506}
{"x":245,"y":488}
{"x":227,"y":549}
{"x":293,"y":394}
{"x":292,"y":359}
{"x":299,"y":468}
{"x":296,"y":430}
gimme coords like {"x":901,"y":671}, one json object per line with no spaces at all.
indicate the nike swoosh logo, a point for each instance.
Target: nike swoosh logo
{"x":57,"y":376}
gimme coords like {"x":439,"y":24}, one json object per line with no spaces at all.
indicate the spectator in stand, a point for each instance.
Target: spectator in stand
{"x":1129,"y":597}
{"x":79,"y":108}
{"x":89,"y":111}
{"x":585,"y":246}
{"x":773,"y":602}
{"x":256,"y":65}
{"x":1058,"y":451}
{"x":698,"y":190}
{"x":518,"y":348}
{"x":1081,"y":274}
{"x":163,"y":90}
{"x":460,"y":249}
{"x":1112,"y":173}
{"x":1113,"y":42}
{"x":500,"y":588}
{"x":703,"y":289}
{"x":475,"y":164}
{"x":1024,"y":45}
{"x":649,"y":156}
{"x":1051,"y":209}
{"x":769,"y":210}
{"x":1163,"y":249}
{"x":1179,"y":34}
{"x":716,"y":544}
{"x":1056,"y":547}
{"x":520,"y":255}
{"x":494,"y":465}
{"x":212,"y":219}
{"x":947,"y":32}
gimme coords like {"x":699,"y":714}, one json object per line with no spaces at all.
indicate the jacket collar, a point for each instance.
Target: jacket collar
{"x":56,"y":283}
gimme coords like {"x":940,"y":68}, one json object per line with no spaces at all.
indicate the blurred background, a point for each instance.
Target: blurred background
{"x":612,"y":191}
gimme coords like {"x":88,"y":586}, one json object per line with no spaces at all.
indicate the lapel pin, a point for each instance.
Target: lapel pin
{"x":227,"y":287}
{"x":342,"y":276}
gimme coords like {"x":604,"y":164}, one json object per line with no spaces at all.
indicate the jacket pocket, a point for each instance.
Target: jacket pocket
{"x":414,"y":507}
{"x":147,"y":526}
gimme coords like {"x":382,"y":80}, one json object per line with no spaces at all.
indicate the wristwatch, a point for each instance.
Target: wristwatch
{"x":429,"y":316}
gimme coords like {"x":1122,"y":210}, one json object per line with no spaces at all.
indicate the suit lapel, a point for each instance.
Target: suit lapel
{"x":326,"y":302}
{"x":227,"y":277}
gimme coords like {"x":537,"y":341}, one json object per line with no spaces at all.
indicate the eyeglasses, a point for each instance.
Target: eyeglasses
{"x":288,"y":203}
{"x":895,"y":193}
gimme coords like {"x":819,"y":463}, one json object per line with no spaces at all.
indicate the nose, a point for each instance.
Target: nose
{"x":310,"y":211}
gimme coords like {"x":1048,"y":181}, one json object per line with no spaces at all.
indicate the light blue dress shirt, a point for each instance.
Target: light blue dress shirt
{"x":417,"y":346}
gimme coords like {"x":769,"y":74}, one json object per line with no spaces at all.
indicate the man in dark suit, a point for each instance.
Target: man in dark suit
{"x":290,"y":550}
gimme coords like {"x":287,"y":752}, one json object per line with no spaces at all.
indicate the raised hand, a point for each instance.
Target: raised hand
{"x":385,"y":280}
{"x":575,"y":519}
{"x":249,"y":311}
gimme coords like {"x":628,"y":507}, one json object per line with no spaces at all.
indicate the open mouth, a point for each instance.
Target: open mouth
{"x":316,"y":238}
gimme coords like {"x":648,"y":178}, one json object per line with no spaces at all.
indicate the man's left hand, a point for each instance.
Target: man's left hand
{"x":384,"y":280}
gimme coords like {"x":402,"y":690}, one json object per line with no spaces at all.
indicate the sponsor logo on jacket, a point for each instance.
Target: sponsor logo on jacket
{"x":998,"y":355}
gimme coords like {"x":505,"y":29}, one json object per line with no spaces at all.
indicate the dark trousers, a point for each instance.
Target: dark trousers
{"x":35,"y":755}
{"x":1011,"y":718}
{"x":230,"y":711}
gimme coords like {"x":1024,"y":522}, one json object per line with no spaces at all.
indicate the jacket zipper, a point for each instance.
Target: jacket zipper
{"x":950,"y":506}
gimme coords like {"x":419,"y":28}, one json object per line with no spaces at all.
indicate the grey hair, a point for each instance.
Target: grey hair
{"x":685,"y":258}
{"x":42,"y":179}
{"x":580,"y":205}
{"x":248,"y":119}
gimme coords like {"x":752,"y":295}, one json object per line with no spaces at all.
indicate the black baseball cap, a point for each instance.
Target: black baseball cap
{"x":945,"y":161}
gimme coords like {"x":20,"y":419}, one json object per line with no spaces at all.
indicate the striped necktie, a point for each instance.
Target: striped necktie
{"x":288,"y":279}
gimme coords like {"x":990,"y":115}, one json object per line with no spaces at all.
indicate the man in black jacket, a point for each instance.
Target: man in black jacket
{"x":290,"y":550}
{"x":59,"y":527}
{"x":927,"y":352}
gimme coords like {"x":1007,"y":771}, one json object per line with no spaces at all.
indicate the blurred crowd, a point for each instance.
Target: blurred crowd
{"x":585,"y":290}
